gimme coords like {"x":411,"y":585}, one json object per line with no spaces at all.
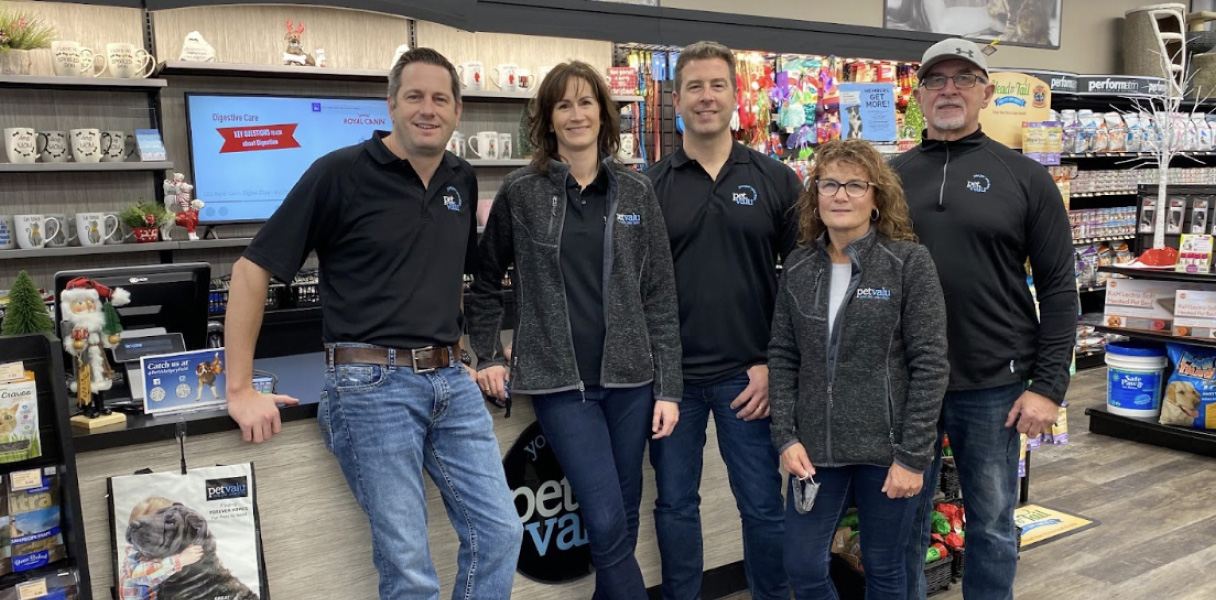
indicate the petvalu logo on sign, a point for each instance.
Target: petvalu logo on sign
{"x":227,"y":488}
{"x":555,"y":548}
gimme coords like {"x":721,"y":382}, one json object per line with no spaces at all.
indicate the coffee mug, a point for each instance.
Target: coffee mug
{"x":485,"y":145}
{"x":20,"y":145}
{"x":125,"y":61}
{"x":86,"y":145}
{"x":504,"y":146}
{"x":503,"y":76}
{"x":472,"y":75}
{"x":32,"y":230}
{"x":524,"y":78}
{"x":118,"y":237}
{"x":73,"y":60}
{"x":8,"y":237}
{"x":113,"y":146}
{"x":63,"y":236}
{"x":456,"y":144}
{"x":53,"y":146}
{"x":94,"y":229}
{"x":626,"y":150}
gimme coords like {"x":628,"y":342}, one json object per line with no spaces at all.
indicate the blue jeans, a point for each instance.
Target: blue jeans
{"x":752,"y":466}
{"x":884,"y":528}
{"x":386,"y":425}
{"x":599,"y":437}
{"x":986,"y":453}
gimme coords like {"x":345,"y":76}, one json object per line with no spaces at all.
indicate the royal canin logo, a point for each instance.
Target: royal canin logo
{"x":363,"y":120}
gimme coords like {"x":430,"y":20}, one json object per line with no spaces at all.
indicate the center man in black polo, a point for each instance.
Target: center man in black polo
{"x":392,"y":223}
{"x":730,"y":214}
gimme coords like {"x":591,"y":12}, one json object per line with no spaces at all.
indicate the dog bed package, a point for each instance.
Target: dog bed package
{"x":192,"y":535}
{"x":1190,"y":394}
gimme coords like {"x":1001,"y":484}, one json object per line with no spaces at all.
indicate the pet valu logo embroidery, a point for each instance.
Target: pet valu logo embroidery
{"x":745,"y":196}
{"x":979,"y":183}
{"x":873,"y":294}
{"x":629,"y":219}
{"x":452,"y":198}
{"x":227,"y":488}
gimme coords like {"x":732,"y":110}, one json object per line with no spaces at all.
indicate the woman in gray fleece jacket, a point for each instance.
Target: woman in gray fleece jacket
{"x":857,"y":369}
{"x":598,"y":341}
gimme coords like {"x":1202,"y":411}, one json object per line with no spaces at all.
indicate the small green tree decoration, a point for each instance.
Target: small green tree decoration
{"x":26,"y":311}
{"x":914,"y":120}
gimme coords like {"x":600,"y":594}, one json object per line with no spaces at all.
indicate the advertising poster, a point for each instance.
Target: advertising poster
{"x":1018,"y":98}
{"x":183,"y":381}
{"x":192,"y":536}
{"x":867,"y":112}
{"x":1015,"y":22}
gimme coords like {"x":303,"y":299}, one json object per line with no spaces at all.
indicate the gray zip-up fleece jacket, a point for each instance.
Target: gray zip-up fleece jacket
{"x":871,"y":392}
{"x":642,"y":321}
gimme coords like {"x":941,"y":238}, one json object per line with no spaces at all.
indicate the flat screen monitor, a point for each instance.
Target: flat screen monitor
{"x":173,"y":296}
{"x":246,"y":152}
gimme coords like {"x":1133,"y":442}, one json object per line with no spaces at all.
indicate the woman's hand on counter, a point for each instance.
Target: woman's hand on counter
{"x":666,"y":415}
{"x":902,"y":483}
{"x":492,"y":381}
{"x":257,"y":413}
{"x":796,"y":462}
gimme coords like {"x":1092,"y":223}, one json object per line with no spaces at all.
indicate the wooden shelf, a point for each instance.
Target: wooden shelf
{"x":1162,"y":275}
{"x":91,"y":83}
{"x":74,"y":167}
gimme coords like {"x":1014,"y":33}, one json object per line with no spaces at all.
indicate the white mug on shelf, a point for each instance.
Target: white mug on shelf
{"x":113,"y":146}
{"x":485,"y":145}
{"x":63,"y":237}
{"x":504,"y":77}
{"x":118,"y":237}
{"x":504,"y":146}
{"x":53,"y":146}
{"x":21,"y":145}
{"x":625,"y":152}
{"x":8,"y":232}
{"x":524,"y":80}
{"x":125,"y":61}
{"x":456,"y":144}
{"x":95,"y":229}
{"x":74,"y":60}
{"x":86,"y":145}
{"x":472,"y":75}
{"x":34,"y":230}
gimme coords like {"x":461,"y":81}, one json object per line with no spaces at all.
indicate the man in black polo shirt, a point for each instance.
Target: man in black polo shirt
{"x":729,"y":214}
{"x":391,"y":221}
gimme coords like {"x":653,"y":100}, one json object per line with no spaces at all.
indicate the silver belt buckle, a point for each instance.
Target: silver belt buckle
{"x":414,"y":358}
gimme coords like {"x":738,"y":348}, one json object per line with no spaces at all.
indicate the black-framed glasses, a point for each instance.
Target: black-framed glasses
{"x":962,"y":81}
{"x":855,"y":188}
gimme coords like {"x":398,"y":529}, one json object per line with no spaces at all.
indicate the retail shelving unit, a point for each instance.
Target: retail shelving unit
{"x":1149,"y":431}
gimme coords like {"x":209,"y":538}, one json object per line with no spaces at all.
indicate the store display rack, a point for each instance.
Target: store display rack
{"x":124,"y":248}
{"x":43,"y":355}
{"x":75,"y":167}
{"x":96,"y":83}
{"x":1093,"y":240}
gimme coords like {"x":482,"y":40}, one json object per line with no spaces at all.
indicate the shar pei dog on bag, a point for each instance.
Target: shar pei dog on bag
{"x":171,"y":530}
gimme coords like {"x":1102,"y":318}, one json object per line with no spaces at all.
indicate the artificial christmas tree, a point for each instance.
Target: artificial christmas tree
{"x":26,"y":313}
{"x":914,"y":121}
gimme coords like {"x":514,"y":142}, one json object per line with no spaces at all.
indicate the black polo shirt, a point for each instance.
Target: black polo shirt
{"x":726,"y":236}
{"x":391,"y":252}
{"x":582,"y":263}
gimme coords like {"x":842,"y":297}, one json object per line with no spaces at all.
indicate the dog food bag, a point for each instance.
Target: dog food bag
{"x":1190,"y":394}
{"x":1088,"y":259}
{"x":1068,"y":119}
{"x":1116,"y":131}
{"x":33,"y":502}
{"x":1133,"y":130}
{"x":1087,"y":132}
{"x":19,"y":437}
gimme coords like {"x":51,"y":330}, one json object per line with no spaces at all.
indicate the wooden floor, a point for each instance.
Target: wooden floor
{"x":1157,"y":508}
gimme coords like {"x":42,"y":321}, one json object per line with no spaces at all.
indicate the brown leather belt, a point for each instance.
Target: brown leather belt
{"x":421,"y":360}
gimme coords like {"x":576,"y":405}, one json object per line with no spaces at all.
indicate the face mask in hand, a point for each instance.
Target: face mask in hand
{"x":805,"y":490}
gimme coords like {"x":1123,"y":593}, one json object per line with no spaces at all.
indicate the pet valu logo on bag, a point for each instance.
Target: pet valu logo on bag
{"x":452,"y":198}
{"x":873,"y":294}
{"x":745,"y":196}
{"x":227,"y":488}
{"x":979,"y":183}
{"x":628,"y":219}
{"x":555,"y":547}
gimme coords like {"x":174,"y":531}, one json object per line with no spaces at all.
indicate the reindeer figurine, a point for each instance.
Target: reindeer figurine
{"x":295,"y":54}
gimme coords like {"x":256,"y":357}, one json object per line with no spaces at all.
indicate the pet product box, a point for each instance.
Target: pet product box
{"x":19,"y":436}
{"x":1195,"y":314}
{"x":1144,"y":304}
{"x":1195,"y":254}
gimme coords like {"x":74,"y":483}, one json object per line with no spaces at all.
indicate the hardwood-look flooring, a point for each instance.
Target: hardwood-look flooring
{"x":1157,"y":509}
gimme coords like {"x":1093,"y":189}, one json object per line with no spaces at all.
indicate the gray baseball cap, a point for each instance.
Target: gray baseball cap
{"x":952,"y":49}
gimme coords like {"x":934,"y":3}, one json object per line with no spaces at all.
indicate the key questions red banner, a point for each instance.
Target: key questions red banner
{"x":260,"y":137}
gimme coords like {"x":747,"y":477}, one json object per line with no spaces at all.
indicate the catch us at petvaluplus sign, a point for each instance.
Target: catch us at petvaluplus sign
{"x":555,"y":547}
{"x":1017,"y":98}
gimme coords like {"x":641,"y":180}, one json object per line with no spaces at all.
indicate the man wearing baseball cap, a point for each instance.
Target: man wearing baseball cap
{"x":983,"y":210}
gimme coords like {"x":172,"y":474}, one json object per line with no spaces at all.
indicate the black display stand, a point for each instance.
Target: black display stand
{"x":43,"y":355}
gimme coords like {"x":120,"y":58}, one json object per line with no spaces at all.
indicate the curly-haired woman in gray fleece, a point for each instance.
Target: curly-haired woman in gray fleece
{"x":598,"y":339}
{"x":857,"y":369}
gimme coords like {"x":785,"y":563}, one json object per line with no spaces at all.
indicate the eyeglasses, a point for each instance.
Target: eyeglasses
{"x":962,"y":81}
{"x":855,"y":188}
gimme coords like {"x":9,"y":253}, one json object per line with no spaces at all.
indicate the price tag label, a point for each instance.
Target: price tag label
{"x":12,"y":371}
{"x":31,"y":589}
{"x":26,"y":480}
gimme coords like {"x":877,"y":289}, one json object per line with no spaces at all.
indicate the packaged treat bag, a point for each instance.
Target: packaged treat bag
{"x":1068,"y":119}
{"x":19,"y":434}
{"x":1087,"y":130}
{"x":1203,"y":134}
{"x":1116,"y":131}
{"x":1133,"y":130}
{"x":1190,"y":395}
{"x":33,"y":502}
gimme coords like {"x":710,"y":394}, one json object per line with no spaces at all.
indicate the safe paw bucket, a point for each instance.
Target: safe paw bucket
{"x":1134,"y":377}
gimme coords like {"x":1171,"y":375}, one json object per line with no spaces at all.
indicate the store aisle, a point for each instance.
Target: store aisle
{"x":1158,"y":522}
